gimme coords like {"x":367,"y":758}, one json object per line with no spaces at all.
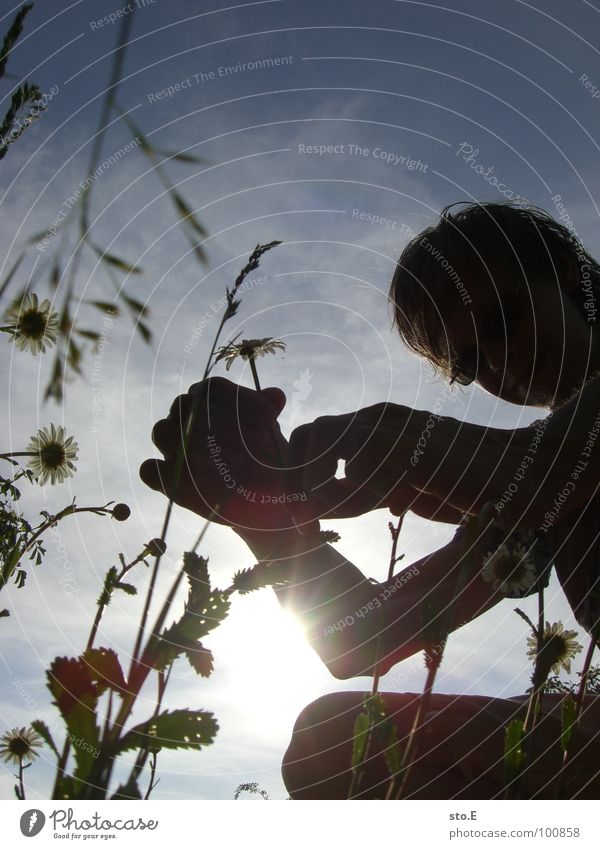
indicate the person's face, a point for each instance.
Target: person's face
{"x":529,"y":345}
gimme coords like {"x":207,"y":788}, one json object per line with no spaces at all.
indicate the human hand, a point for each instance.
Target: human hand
{"x":232,"y":472}
{"x":378,"y":446}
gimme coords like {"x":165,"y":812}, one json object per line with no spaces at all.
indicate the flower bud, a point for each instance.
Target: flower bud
{"x":156,"y":547}
{"x":121,"y":512}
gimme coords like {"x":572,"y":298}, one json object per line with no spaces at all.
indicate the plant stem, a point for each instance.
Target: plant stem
{"x":102,"y":607}
{"x":358,"y":772}
{"x":21,"y":785}
{"x":399,"y":781}
{"x":578,"y":706}
{"x":11,"y":563}
{"x":9,"y":454}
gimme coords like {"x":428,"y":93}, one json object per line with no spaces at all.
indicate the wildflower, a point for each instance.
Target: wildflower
{"x":248,"y":349}
{"x":54,"y":454}
{"x":558,"y":648}
{"x":32,"y":325}
{"x":19,"y":745}
{"x":509,"y":569}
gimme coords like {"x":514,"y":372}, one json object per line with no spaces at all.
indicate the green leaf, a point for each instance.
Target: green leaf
{"x":362,"y":727}
{"x":144,"y":332}
{"x":259,"y":576}
{"x":180,"y":157}
{"x":44,"y":732}
{"x":55,"y":276}
{"x":186,"y":214}
{"x":105,"y":306}
{"x":178,"y":729}
{"x":137,"y":306}
{"x":6,"y":282}
{"x":127,"y":588}
{"x":199,"y":251}
{"x":513,"y":750}
{"x":569,"y":712}
{"x":10,"y":39}
{"x":105,"y":670}
{"x":130,"y":790}
{"x":76,"y":697}
{"x":393,"y":757}
{"x":4,"y":613}
{"x":93,"y":335}
{"x":201,"y":659}
{"x":117,"y":262}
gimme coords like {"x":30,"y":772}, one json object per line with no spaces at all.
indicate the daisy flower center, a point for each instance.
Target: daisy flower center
{"x":19,"y":747}
{"x":52,"y":455}
{"x":32,"y":324}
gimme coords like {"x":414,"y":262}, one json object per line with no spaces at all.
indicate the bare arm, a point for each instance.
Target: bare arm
{"x":352,"y":622}
{"x":463,"y":465}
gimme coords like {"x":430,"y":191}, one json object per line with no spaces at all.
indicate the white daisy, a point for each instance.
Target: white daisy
{"x":54,"y":455}
{"x":247,"y":349}
{"x":509,"y":569}
{"x":19,"y":745}
{"x":558,"y":648}
{"x":32,"y":325}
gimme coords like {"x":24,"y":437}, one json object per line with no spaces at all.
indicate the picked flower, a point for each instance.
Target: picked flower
{"x":54,"y":455}
{"x":509,"y":569}
{"x":32,"y":325}
{"x":19,"y":745}
{"x":248,"y":349}
{"x":559,"y":647}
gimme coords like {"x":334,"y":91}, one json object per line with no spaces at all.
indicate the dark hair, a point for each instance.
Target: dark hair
{"x":481,"y":241}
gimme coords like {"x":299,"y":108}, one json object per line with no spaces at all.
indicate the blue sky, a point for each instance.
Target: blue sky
{"x":312,"y":148}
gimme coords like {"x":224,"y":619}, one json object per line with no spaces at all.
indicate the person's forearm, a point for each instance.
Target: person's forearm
{"x":522,"y":471}
{"x":353,"y":623}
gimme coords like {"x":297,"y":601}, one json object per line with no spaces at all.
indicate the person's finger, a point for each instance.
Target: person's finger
{"x":167,"y":438}
{"x":157,"y":474}
{"x":341,"y":499}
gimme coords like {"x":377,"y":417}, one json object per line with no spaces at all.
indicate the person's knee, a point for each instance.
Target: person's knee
{"x":316,"y":763}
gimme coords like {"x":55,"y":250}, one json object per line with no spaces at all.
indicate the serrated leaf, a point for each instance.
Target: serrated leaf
{"x":127,"y":588}
{"x":76,"y":697}
{"x":362,"y":726}
{"x":130,"y":790}
{"x":178,"y":729}
{"x":259,"y":576}
{"x":569,"y":712}
{"x":200,"y":659}
{"x":44,"y":732}
{"x":105,"y":670}
{"x":4,"y":613}
{"x":513,"y":750}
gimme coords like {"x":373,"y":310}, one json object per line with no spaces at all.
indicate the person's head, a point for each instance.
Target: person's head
{"x":504,"y":295}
